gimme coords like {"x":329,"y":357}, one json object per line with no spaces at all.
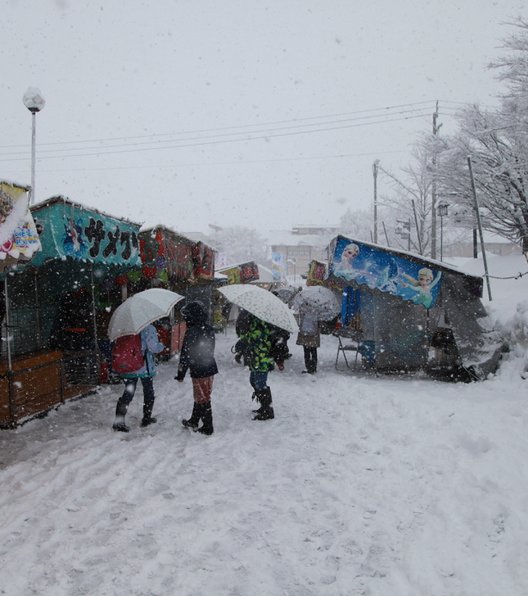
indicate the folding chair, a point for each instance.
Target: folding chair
{"x":348,"y":341}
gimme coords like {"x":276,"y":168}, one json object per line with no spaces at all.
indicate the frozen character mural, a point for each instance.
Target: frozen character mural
{"x":422,"y":286}
{"x":346,"y":263}
{"x":359,"y":266}
{"x":73,"y":241}
{"x":387,"y":279}
{"x":385,"y":270}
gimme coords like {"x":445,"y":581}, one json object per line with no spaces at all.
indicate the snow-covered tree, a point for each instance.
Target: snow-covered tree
{"x":406,"y":206}
{"x":497,"y":142}
{"x":240,"y":244}
{"x":356,"y":224}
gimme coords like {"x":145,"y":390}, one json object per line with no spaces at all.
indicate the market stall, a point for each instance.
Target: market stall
{"x":19,"y":241}
{"x":175,"y":262}
{"x":412,"y":313}
{"x":60,"y":304}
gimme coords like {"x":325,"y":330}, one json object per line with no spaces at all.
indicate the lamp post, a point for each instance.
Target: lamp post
{"x":375,"y":167}
{"x":442,"y":212}
{"x":34,"y":102}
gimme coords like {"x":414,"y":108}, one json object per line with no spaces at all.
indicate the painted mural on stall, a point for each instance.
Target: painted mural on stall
{"x":357,"y":262}
{"x":70,"y":230}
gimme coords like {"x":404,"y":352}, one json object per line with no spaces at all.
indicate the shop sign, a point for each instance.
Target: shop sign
{"x":70,"y":230}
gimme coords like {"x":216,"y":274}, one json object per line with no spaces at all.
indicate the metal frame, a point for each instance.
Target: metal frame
{"x":342,"y":348}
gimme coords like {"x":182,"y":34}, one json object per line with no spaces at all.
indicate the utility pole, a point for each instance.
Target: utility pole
{"x":418,"y":231}
{"x":375,"y":166}
{"x":385,"y":232}
{"x":436,"y":128}
{"x":477,"y":215}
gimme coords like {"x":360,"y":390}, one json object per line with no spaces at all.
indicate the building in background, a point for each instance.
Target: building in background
{"x":293,"y":250}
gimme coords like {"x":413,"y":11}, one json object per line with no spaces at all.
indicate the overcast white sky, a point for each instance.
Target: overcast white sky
{"x":150,"y":105}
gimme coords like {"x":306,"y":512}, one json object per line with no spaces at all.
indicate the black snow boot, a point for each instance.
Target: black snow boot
{"x":207,"y":419}
{"x":119,"y":422}
{"x":147,"y":414}
{"x":195,"y":417}
{"x":255,"y":397}
{"x":266,"y":410}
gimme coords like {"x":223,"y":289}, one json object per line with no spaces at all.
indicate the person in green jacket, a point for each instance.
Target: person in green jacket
{"x":257,"y":338}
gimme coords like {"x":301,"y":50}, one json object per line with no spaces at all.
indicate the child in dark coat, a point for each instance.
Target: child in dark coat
{"x":197,"y":355}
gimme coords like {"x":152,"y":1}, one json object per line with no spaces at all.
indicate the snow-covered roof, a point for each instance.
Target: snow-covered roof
{"x":289,"y":238}
{"x":415,"y":257}
{"x":16,"y":184}
{"x":66,"y":200}
{"x":169,"y":230}
{"x":235,"y":265}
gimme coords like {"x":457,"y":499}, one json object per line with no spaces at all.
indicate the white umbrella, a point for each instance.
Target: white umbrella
{"x":318,"y":299}
{"x":140,"y":310}
{"x":262,"y":304}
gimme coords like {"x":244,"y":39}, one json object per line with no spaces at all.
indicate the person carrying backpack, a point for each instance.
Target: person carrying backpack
{"x":260,"y":360}
{"x":150,"y":345}
{"x":197,"y":356}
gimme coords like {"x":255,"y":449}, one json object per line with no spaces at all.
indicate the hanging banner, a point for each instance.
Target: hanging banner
{"x":386,"y":271}
{"x":242,"y":273}
{"x":71,"y":230}
{"x":19,"y":239}
{"x":316,"y":273}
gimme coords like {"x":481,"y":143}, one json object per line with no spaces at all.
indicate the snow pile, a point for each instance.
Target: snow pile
{"x":362,"y":485}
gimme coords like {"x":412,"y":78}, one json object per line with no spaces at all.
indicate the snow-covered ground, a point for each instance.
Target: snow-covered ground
{"x":397,"y":486}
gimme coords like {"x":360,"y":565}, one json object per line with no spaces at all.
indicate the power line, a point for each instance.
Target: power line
{"x":239,"y":126}
{"x":103,"y":151}
{"x":226,"y":163}
{"x":266,"y":132}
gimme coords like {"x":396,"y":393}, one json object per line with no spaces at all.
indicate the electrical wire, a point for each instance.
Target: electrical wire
{"x":201,"y":143}
{"x":224,"y":128}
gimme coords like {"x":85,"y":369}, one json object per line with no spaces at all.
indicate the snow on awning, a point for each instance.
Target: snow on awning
{"x":19,"y":239}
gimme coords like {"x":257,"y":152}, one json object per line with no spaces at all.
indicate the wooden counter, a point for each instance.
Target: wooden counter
{"x":36,"y":383}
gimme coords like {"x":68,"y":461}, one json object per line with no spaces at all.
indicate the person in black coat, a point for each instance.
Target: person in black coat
{"x":197,"y":356}
{"x":279,"y":346}
{"x":241,"y":327}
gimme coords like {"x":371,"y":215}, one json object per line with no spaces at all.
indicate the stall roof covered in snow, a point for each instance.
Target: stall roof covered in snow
{"x":73,"y":230}
{"x":419,"y":259}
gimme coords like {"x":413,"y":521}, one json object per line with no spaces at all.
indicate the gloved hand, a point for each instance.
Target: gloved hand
{"x":179,"y":377}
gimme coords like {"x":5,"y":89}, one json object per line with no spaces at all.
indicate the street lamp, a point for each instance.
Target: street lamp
{"x":442,"y":212}
{"x":375,"y":167}
{"x":34,"y":102}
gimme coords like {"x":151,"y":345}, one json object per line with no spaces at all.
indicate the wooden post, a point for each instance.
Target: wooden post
{"x":476,"y":207}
